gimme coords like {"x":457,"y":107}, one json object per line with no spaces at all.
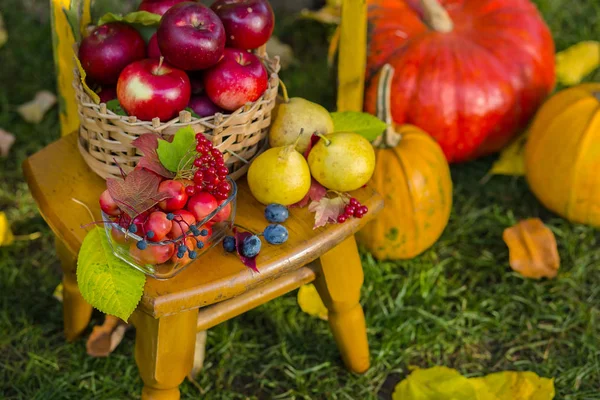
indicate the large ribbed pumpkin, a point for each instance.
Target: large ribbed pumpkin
{"x":413,"y":176}
{"x":469,"y":72}
{"x":562,"y":155}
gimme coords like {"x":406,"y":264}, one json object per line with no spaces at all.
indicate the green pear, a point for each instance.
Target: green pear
{"x":298,"y":115}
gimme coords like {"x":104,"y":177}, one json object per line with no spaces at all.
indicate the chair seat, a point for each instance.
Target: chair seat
{"x":57,"y":175}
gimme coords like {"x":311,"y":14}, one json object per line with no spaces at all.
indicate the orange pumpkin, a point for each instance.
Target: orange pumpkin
{"x":413,"y":176}
{"x":562,"y":155}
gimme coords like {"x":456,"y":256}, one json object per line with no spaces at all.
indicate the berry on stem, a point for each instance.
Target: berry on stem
{"x":229,"y":244}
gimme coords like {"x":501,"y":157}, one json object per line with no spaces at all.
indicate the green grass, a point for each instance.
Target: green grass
{"x":459,"y":304}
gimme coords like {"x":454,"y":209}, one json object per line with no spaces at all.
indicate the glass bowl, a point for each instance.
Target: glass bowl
{"x":161,"y":260}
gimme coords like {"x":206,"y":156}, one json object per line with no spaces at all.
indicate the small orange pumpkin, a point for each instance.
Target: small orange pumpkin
{"x":413,"y":176}
{"x":562,"y":155}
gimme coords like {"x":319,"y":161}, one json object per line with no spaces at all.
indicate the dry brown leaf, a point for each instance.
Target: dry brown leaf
{"x":276,"y":47}
{"x":105,"y":338}
{"x":532,"y":249}
{"x":6,"y":141}
{"x":33,"y":111}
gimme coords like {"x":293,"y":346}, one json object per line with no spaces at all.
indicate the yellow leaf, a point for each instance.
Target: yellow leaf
{"x":511,"y":385}
{"x":87,"y":89}
{"x":6,"y":235}
{"x":310,"y":302}
{"x":33,"y":111}
{"x":511,"y":160}
{"x":58,"y":292}
{"x":574,"y":63}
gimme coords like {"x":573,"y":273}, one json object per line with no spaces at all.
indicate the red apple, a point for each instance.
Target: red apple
{"x":153,"y":50}
{"x":109,"y":49}
{"x":248,"y":23}
{"x":202,"y":106}
{"x":153,"y":254}
{"x":181,"y":223}
{"x":107,"y":93}
{"x":158,"y":6}
{"x":237,"y":79}
{"x":149,"y":89}
{"x":201,"y":204}
{"x":191,"y":36}
{"x":177,"y":196}
{"x":196,"y":82}
{"x":159,"y":224}
{"x":118,"y":235}
{"x":223,"y":213}
{"x":108,"y":205}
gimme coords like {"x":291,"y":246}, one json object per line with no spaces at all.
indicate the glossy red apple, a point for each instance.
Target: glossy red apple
{"x":153,"y":50}
{"x":177,"y":196}
{"x":201,"y":204}
{"x":108,"y":205}
{"x":191,"y":36}
{"x":107,"y":93}
{"x":202,"y":106}
{"x":153,"y":254}
{"x":158,"y":6}
{"x":159,"y":224}
{"x":181,"y":223}
{"x":149,"y":89}
{"x":223,"y":213}
{"x":248,"y":23}
{"x":239,"y":78}
{"x":108,"y":50}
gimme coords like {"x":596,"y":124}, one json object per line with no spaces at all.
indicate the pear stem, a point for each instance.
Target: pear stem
{"x":286,"y":98}
{"x":327,"y":141}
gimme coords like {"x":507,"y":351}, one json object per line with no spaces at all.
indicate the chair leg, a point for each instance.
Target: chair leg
{"x":164,"y":352}
{"x":76,"y":311}
{"x":339,"y":286}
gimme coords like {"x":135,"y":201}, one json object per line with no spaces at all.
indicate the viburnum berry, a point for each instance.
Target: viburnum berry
{"x":190,"y":190}
{"x":354,"y":202}
{"x":341,"y":218}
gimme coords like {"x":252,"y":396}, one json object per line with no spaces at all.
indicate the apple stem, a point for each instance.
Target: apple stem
{"x":160,"y":62}
{"x":327,"y":141}
{"x":286,"y":98}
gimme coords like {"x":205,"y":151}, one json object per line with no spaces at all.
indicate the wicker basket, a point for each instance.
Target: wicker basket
{"x":105,"y":137}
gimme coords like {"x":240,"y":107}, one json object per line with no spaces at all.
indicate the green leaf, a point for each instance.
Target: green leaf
{"x":137,"y":17}
{"x":72,"y":17}
{"x":178,"y":155}
{"x":189,"y":109}
{"x":114,"y":106}
{"x":105,"y":281}
{"x":364,"y":124}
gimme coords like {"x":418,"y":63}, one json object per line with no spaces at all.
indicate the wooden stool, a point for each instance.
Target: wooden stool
{"x":218,"y":286}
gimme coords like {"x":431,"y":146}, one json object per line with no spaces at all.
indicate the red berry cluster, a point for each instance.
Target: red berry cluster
{"x":211,"y":173}
{"x":352,"y":209}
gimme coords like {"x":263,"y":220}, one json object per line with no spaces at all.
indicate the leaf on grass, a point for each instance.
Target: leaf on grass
{"x":6,"y":235}
{"x":137,"y":192}
{"x":326,"y":210}
{"x":315,"y":193}
{"x":105,"y":281}
{"x":3,"y":32}
{"x":114,"y":106}
{"x":532,"y":249}
{"x":58,"y":292}
{"x":249,"y":262}
{"x":137,"y":17}
{"x":105,"y":338}
{"x":445,"y":383}
{"x":179,"y":154}
{"x":574,"y":63}
{"x":330,"y":13}
{"x":275,"y":47}
{"x":147,"y":144}
{"x":33,"y":111}
{"x":6,"y":141}
{"x":512,"y":158}
{"x":365,"y":124}
{"x":82,"y":75}
{"x":310,"y":302}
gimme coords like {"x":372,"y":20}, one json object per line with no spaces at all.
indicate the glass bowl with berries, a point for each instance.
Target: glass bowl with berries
{"x":163,"y":215}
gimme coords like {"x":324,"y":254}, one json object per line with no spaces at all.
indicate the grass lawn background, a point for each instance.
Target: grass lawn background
{"x":458,"y":304}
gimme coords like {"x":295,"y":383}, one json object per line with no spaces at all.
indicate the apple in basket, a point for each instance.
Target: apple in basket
{"x":248,"y":23}
{"x":158,"y":6}
{"x":191,"y":36}
{"x":153,"y":88}
{"x":239,"y":78}
{"x":153,"y":49}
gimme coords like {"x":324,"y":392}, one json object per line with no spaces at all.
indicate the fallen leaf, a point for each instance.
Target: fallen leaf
{"x":6,"y":235}
{"x":315,"y":193}
{"x":6,"y":141}
{"x":310,"y":302}
{"x":511,"y":160}
{"x":3,"y":32}
{"x":137,"y":192}
{"x":147,"y":144}
{"x":58,"y":292}
{"x":105,"y":338}
{"x":275,"y":47}
{"x":574,"y":63}
{"x":511,"y":385}
{"x":33,"y":111}
{"x":532,"y":249}
{"x":249,"y":262}
{"x":326,"y":210}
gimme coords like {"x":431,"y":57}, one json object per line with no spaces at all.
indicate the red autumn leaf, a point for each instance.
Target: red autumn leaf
{"x":147,"y":144}
{"x":313,"y":140}
{"x":326,"y":210}
{"x":249,"y":262}
{"x":137,"y":192}
{"x":315,"y":193}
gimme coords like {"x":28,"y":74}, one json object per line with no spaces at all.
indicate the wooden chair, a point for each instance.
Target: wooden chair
{"x":217,"y":286}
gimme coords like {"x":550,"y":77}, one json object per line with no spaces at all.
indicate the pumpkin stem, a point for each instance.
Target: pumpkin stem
{"x":436,"y":16}
{"x":389,"y":138}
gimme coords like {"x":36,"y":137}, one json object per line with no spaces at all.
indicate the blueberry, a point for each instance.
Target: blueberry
{"x":228,"y":244}
{"x":204,"y":232}
{"x":150,"y":234}
{"x":276,"y":234}
{"x":192,"y":254}
{"x":142,"y":245}
{"x":276,"y":213}
{"x":132,"y":228}
{"x":199,"y":244}
{"x":170,"y":216}
{"x":251,"y":246}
